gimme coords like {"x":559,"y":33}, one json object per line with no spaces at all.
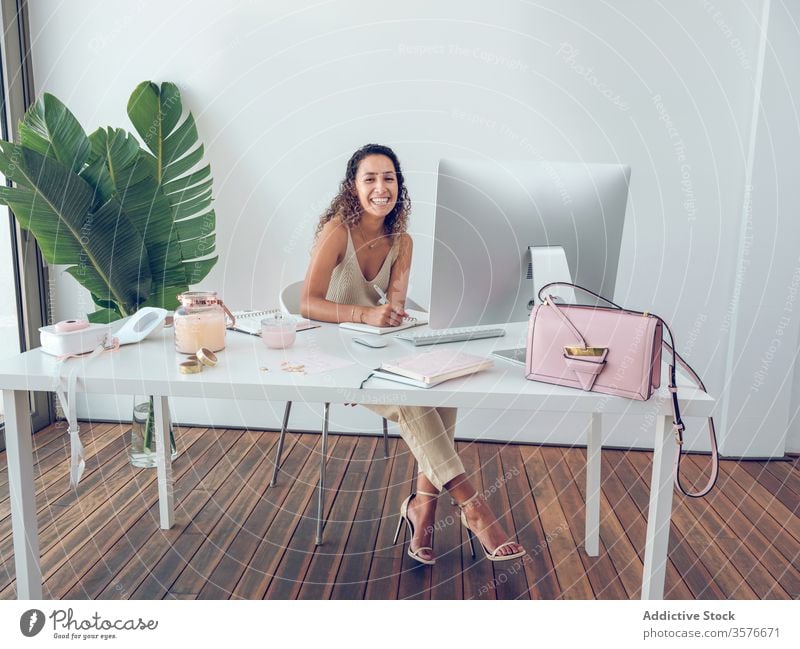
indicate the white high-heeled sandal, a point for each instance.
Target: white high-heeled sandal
{"x":492,"y":556}
{"x":410,"y":527}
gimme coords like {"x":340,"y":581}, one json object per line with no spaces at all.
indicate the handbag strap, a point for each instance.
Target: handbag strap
{"x":677,"y":422}
{"x":550,"y":302}
{"x":65,"y":393}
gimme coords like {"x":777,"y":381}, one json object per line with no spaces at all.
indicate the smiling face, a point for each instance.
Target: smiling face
{"x":376,"y":185}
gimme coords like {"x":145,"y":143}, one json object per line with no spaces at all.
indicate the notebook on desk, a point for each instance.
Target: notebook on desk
{"x":431,"y":368}
{"x":414,"y":319}
{"x":249,"y":322}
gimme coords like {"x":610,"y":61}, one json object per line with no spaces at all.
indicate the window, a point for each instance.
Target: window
{"x":23,"y":308}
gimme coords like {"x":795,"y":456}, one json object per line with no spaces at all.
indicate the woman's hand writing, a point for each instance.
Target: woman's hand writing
{"x":384,"y":315}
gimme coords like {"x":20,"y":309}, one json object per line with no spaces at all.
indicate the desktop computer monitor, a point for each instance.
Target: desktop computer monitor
{"x":490,"y":213}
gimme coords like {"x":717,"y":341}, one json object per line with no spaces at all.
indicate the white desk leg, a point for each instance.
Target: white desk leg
{"x":19,"y":452}
{"x":166,"y":497}
{"x":659,"y":510}
{"x":321,"y":487}
{"x":593,"y":449}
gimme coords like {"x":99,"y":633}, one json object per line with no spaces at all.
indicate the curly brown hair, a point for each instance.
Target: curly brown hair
{"x":346,"y":205}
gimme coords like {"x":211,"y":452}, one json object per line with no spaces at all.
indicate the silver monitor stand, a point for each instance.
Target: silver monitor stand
{"x":547,"y":264}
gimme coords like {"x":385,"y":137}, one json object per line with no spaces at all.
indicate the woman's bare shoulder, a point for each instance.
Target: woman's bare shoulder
{"x":334,"y":233}
{"x":404,"y":243}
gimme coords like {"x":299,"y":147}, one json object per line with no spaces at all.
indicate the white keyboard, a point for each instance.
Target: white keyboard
{"x":450,"y":335}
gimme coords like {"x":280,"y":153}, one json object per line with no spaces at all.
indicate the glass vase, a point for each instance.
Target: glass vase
{"x":142,"y":449}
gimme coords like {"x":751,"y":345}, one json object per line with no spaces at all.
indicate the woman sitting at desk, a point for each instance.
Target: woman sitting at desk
{"x":363,"y":235}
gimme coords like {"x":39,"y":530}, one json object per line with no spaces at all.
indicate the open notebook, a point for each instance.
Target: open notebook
{"x":249,"y":322}
{"x":427,"y":369}
{"x":414,"y":319}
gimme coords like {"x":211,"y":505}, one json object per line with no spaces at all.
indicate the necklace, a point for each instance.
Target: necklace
{"x":374,"y":242}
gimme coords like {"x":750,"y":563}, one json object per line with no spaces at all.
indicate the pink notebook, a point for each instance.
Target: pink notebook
{"x":436,"y":366}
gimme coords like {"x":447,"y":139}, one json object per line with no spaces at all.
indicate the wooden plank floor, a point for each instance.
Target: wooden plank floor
{"x":235,"y":537}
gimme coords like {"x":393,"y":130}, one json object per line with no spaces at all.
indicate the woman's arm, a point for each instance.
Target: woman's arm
{"x":328,"y":253}
{"x":401,"y":271}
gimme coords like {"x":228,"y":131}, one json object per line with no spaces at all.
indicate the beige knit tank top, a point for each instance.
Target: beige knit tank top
{"x":348,"y":285}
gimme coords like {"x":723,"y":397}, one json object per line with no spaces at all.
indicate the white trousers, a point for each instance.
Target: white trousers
{"x":429,"y":433}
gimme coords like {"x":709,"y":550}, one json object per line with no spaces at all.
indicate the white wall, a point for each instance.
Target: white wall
{"x":284,"y":92}
{"x":767,"y":392}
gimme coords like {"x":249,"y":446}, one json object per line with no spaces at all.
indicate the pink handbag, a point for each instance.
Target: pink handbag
{"x":611,"y":351}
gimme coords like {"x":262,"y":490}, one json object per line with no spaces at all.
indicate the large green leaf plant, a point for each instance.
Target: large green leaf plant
{"x":132,"y":224}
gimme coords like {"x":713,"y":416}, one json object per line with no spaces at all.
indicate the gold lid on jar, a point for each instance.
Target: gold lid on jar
{"x":199,"y":298}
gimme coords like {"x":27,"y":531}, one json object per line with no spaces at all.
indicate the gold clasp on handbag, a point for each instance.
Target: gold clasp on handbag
{"x":585,"y":351}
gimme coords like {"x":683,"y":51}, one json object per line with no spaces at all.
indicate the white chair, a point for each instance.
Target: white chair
{"x":290,"y":304}
{"x":290,"y":298}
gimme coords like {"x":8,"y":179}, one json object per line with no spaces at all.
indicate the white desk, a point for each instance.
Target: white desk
{"x":151,"y":368}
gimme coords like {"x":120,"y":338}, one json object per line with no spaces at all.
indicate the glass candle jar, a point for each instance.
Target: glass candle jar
{"x":279,"y":331}
{"x":200,"y":321}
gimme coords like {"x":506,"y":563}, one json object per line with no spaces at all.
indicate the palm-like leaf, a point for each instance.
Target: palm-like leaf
{"x":155,"y":113}
{"x":135,"y":228}
{"x":74,"y":226}
{"x":52,"y":130}
{"x":119,"y":166}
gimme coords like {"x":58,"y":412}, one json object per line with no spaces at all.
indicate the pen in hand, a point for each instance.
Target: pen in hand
{"x":385,"y":300}
{"x":381,"y":294}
